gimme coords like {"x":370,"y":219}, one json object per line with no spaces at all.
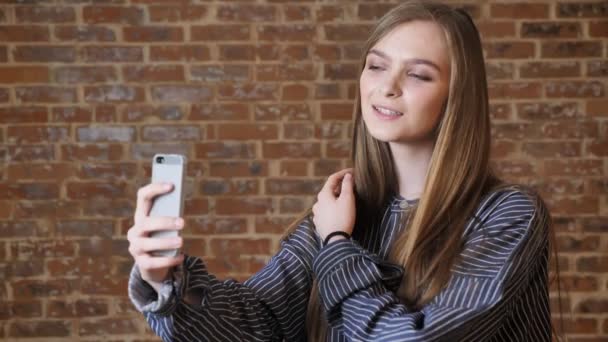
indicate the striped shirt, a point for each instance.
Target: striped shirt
{"x":497,"y":291}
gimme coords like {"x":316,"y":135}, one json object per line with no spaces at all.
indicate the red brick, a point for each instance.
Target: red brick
{"x":84,"y":74}
{"x":244,"y":206}
{"x":519,"y":10}
{"x":179,"y":53}
{"x":153,"y":34}
{"x":181,"y":93}
{"x":326,"y":167}
{"x":550,"y":69}
{"x":237,"y":52}
{"x":220,"y":32}
{"x":40,"y":171}
{"x":46,"y":54}
{"x":337,"y":111}
{"x":114,"y":94}
{"x":206,"y":226}
{"x":274,"y":225}
{"x":24,"y":74}
{"x":347,"y":32}
{"x":248,"y":91}
{"x":597,"y":108}
{"x":327,"y":13}
{"x":177,"y":13}
{"x":288,"y":112}
{"x":42,"y":94}
{"x":294,"y":168}
{"x":498,"y":71}
{"x":247,"y":131}
{"x":598,"y":28}
{"x":81,"y":190}
{"x":23,"y":114}
{"x":220,"y":73}
{"x":577,"y":168}
{"x":298,"y":131}
{"x":280,"y":186}
{"x":597,"y":68}
{"x":20,"y":33}
{"x":31,"y":153}
{"x":240,"y":246}
{"x":20,"y":309}
{"x":573,"y":89}
{"x":592,"y":264}
{"x":571,"y":49}
{"x":515,"y":90}
{"x":157,"y":73}
{"x":246,"y":13}
{"x":295,"y":92}
{"x":291,"y":150}
{"x":44,"y":329}
{"x":39,"y":14}
{"x":549,"y":111}
{"x":77,"y":308}
{"x":225,"y":150}
{"x":108,"y":54}
{"x":551,"y":29}
{"x":108,"y":326}
{"x":71,"y":114}
{"x":37,"y":134}
{"x":219,"y":112}
{"x":85,"y":33}
{"x":291,"y":72}
{"x":112,"y":14}
{"x":91,"y":152}
{"x":287,"y":33}
{"x":496,"y":29}
{"x":237,"y":168}
{"x":297,"y":13}
{"x":510,"y":49}
{"x":582,"y":9}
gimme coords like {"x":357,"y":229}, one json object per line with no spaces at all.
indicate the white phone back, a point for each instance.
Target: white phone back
{"x":171,"y":170}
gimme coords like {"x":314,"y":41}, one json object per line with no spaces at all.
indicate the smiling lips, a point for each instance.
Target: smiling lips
{"x":386,"y":113}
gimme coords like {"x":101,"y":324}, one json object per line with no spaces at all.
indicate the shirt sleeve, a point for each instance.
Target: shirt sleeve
{"x":493,"y":267}
{"x":269,"y":306}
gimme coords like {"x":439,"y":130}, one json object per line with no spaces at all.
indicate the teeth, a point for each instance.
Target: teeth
{"x":387,"y":111}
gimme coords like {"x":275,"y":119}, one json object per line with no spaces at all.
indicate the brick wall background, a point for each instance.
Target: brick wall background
{"x":258,"y":95}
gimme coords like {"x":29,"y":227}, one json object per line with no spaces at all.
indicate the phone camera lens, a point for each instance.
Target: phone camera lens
{"x":160,"y":160}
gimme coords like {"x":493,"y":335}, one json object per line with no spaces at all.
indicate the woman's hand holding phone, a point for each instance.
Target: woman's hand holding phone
{"x":153,"y":269}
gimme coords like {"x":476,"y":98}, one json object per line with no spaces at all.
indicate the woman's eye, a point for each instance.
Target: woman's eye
{"x":420,"y":77}
{"x":373,"y":67}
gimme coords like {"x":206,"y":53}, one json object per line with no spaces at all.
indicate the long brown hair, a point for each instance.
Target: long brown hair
{"x":459,"y":172}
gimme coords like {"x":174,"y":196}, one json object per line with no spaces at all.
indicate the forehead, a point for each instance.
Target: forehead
{"x":416,"y":40}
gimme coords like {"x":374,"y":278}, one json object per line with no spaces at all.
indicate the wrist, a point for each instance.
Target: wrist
{"x":333,"y":236}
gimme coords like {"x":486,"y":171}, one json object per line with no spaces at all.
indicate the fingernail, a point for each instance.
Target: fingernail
{"x":179,"y":222}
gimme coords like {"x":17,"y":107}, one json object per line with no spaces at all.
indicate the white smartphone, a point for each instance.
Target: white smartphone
{"x":168,"y":168}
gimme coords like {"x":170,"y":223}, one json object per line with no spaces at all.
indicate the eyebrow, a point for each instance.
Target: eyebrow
{"x":411,"y":60}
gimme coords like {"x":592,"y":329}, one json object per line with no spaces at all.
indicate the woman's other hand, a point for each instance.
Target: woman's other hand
{"x":335,"y":207}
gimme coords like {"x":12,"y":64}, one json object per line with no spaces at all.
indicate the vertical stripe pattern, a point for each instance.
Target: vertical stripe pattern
{"x":497,"y":291}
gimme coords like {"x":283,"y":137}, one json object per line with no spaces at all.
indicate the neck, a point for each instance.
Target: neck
{"x":411,"y":165}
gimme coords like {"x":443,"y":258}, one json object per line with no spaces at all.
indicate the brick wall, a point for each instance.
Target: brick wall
{"x":258,"y":95}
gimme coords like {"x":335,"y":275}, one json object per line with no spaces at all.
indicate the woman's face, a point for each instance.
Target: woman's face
{"x":405,"y":83}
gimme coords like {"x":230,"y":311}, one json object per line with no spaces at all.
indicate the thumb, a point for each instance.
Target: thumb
{"x":347,"y":187}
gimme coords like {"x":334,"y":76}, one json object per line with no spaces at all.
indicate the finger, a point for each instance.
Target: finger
{"x":154,"y":224}
{"x":346,"y":190}
{"x":333,"y":182}
{"x":145,"y":195}
{"x":150,"y":263}
{"x":146,"y":245}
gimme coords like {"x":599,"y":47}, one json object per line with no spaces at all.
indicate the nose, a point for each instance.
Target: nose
{"x":391,"y":88}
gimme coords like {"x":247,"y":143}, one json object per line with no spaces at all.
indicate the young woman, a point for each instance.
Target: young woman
{"x":419,"y":241}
